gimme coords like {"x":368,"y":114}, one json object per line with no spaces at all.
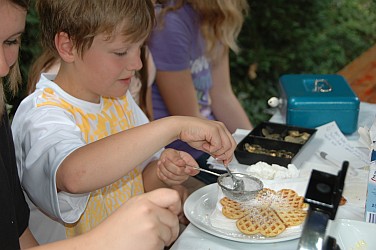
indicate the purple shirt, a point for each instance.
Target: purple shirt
{"x":179,"y":45}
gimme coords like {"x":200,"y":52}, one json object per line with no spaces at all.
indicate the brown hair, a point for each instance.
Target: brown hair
{"x":84,"y":19}
{"x":14,"y":77}
{"x":220,"y":20}
{"x":142,"y":74}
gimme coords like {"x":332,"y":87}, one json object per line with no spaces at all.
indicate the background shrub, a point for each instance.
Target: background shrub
{"x":297,"y":36}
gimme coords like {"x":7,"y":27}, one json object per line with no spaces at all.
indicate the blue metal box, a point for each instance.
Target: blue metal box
{"x":313,"y":100}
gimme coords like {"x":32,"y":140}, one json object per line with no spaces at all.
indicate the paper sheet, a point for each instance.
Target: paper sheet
{"x":335,"y":144}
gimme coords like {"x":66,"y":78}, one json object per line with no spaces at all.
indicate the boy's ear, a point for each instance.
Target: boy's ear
{"x":64,"y":46}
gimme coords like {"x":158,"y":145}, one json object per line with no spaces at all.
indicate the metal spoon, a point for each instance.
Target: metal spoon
{"x":238,"y":184}
{"x":207,"y":171}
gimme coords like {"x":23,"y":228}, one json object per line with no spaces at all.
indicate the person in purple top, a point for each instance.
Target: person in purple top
{"x":190,"y":46}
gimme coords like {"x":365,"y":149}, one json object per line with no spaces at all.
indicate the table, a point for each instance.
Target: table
{"x":361,"y":75}
{"x":194,"y":238}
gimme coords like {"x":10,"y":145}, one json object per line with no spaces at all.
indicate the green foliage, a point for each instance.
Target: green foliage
{"x":280,"y":37}
{"x":298,"y":36}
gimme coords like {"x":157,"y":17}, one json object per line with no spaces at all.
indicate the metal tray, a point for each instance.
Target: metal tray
{"x":280,"y":129}
{"x":275,"y":149}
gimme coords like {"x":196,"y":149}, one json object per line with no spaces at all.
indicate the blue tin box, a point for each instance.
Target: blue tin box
{"x":313,"y":100}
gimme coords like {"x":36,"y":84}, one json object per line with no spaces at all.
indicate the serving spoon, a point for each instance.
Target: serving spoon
{"x":238,"y":183}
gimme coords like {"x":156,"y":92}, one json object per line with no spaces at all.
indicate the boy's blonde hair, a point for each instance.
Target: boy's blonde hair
{"x":220,"y":20}
{"x":82,"y":20}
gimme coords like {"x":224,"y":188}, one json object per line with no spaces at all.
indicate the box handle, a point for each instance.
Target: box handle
{"x":322,"y":85}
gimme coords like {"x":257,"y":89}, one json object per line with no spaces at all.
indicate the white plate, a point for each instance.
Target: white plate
{"x":352,"y":234}
{"x":200,"y":205}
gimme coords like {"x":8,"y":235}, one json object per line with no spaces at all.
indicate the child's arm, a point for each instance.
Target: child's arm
{"x":153,"y":215}
{"x":225,"y":105}
{"x":173,"y":168}
{"x":101,"y":163}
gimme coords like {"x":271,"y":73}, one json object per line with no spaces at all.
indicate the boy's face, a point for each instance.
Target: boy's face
{"x":106,"y":68}
{"x":12,"y":25}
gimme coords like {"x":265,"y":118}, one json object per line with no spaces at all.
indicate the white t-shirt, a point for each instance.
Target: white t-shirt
{"x":49,"y":125}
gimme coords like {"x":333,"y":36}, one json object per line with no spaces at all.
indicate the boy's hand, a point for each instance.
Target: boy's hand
{"x":209,"y":136}
{"x":174,"y":167}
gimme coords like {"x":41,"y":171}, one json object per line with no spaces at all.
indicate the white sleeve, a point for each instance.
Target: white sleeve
{"x":43,"y":138}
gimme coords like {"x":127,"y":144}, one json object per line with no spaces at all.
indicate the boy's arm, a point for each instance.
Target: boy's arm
{"x":153,"y":214}
{"x":150,"y":177}
{"x":101,"y":163}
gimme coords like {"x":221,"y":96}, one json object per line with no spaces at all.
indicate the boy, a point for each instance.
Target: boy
{"x":76,"y":161}
{"x":153,"y":213}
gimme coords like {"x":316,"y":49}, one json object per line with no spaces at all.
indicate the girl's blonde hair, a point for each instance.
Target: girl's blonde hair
{"x":82,"y":20}
{"x":14,"y":76}
{"x":220,"y":20}
{"x":14,"y":80}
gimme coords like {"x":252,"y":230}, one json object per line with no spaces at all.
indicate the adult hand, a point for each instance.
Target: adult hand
{"x":183,"y":193}
{"x":174,"y":167}
{"x":147,"y":221}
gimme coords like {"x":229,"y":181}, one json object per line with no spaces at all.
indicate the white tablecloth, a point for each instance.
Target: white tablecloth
{"x":355,"y":190}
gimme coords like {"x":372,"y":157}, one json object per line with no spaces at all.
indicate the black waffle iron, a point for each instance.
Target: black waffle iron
{"x":323,"y":195}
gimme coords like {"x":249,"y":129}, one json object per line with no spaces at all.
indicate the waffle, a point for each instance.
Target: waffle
{"x":272,"y":213}
{"x":288,"y":199}
{"x":271,"y":225}
{"x":263,"y":220}
{"x":232,"y":209}
{"x":254,"y":220}
{"x":227,"y":202}
{"x":287,"y":193}
{"x":265,"y":193}
{"x":265,"y":197}
{"x":234,"y":212}
{"x":342,"y":201}
{"x":249,"y":224}
{"x":292,"y":217}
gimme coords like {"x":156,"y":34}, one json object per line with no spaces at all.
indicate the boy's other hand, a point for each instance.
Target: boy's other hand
{"x":175,"y":167}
